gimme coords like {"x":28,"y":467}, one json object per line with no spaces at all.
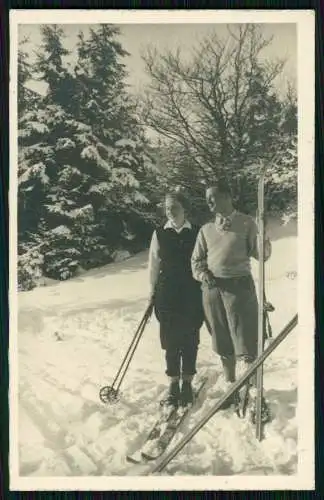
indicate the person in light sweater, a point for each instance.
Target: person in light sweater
{"x":176,"y":297}
{"x":221,"y":261}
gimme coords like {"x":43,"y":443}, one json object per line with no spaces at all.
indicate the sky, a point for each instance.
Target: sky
{"x":135,"y":37}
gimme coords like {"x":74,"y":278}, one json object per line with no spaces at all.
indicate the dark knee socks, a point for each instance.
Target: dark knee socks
{"x":244,"y":363}
{"x":186,"y":357}
{"x":229,"y":364}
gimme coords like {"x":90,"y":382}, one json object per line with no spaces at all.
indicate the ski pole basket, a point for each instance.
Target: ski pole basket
{"x":110,"y":393}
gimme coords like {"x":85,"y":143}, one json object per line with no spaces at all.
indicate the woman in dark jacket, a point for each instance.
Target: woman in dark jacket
{"x":177,"y":297}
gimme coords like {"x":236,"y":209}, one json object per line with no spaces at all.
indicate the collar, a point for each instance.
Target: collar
{"x":224,"y":223}
{"x":227,"y":217}
{"x":169,"y":225}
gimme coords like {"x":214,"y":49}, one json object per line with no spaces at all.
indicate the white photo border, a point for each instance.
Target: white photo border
{"x":304,"y":480}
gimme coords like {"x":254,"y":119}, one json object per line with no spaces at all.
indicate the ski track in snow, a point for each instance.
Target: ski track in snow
{"x":71,"y":339}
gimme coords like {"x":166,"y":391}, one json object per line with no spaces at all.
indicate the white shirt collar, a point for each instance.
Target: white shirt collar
{"x":169,"y":225}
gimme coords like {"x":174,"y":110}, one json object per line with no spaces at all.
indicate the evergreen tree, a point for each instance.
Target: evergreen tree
{"x":24,"y":95}
{"x":80,"y":172}
{"x":50,"y":181}
{"x":110,"y":112}
{"x":29,"y":257}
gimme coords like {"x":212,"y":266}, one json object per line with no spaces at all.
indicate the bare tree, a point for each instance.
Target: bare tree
{"x":219,"y":106}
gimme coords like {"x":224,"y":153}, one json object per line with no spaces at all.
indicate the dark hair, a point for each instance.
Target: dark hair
{"x":178,"y":195}
{"x":180,"y":198}
{"x":221,"y":186}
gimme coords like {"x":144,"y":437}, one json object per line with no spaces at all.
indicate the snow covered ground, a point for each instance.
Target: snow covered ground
{"x":72,"y":337}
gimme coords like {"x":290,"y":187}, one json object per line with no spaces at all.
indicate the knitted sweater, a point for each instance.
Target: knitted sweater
{"x":227,"y":253}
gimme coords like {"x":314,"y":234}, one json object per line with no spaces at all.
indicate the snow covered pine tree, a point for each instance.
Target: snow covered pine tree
{"x":109,"y":110}
{"x":29,"y":257}
{"x":83,"y":162}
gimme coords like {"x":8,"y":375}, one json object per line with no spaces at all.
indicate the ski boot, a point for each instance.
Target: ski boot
{"x":233,"y":400}
{"x":173,"y":397}
{"x":242,"y":400}
{"x":186,"y":397}
{"x":265,"y":411}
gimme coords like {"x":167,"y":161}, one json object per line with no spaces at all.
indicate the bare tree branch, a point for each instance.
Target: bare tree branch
{"x":219,"y":105}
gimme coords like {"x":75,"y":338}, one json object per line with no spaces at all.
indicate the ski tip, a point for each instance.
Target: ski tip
{"x":135,"y":458}
{"x":148,"y":458}
{"x":132,"y":460}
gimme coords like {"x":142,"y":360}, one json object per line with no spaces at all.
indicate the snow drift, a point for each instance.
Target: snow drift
{"x":71,"y":339}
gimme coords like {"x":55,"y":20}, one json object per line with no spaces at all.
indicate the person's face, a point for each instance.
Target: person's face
{"x":174,"y":210}
{"x":216,"y":201}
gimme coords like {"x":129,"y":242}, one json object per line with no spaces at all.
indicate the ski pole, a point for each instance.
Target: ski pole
{"x":263,"y":319}
{"x":261,"y":312}
{"x":141,"y":331}
{"x":235,"y":387}
{"x":134,"y":342}
{"x":110,"y":393}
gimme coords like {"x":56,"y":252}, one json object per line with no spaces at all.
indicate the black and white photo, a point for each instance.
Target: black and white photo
{"x":161,"y":250}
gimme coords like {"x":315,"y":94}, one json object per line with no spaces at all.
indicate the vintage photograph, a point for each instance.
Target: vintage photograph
{"x":161,"y":229}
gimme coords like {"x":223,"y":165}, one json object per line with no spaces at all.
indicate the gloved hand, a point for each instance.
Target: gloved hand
{"x":210,"y":280}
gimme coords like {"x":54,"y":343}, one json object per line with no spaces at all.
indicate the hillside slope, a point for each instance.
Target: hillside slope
{"x":72,"y":337}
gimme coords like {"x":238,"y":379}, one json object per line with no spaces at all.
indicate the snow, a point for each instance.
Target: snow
{"x":62,"y":231}
{"x":85,"y":211}
{"x":120,"y":255}
{"x":71,"y":339}
{"x":41,"y":128}
{"x":124,"y":177}
{"x":81,"y":127}
{"x":91,"y":153}
{"x":100,"y":188}
{"x":38,"y":169}
{"x":125,"y":143}
{"x":65,"y":143}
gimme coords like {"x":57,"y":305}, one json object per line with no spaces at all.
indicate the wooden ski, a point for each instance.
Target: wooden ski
{"x":259,"y":372}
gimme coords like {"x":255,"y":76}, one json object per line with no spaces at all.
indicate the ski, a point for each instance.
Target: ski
{"x":154,"y":434}
{"x":160,"y":427}
{"x":259,"y":372}
{"x":170,"y":454}
{"x":155,"y":448}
